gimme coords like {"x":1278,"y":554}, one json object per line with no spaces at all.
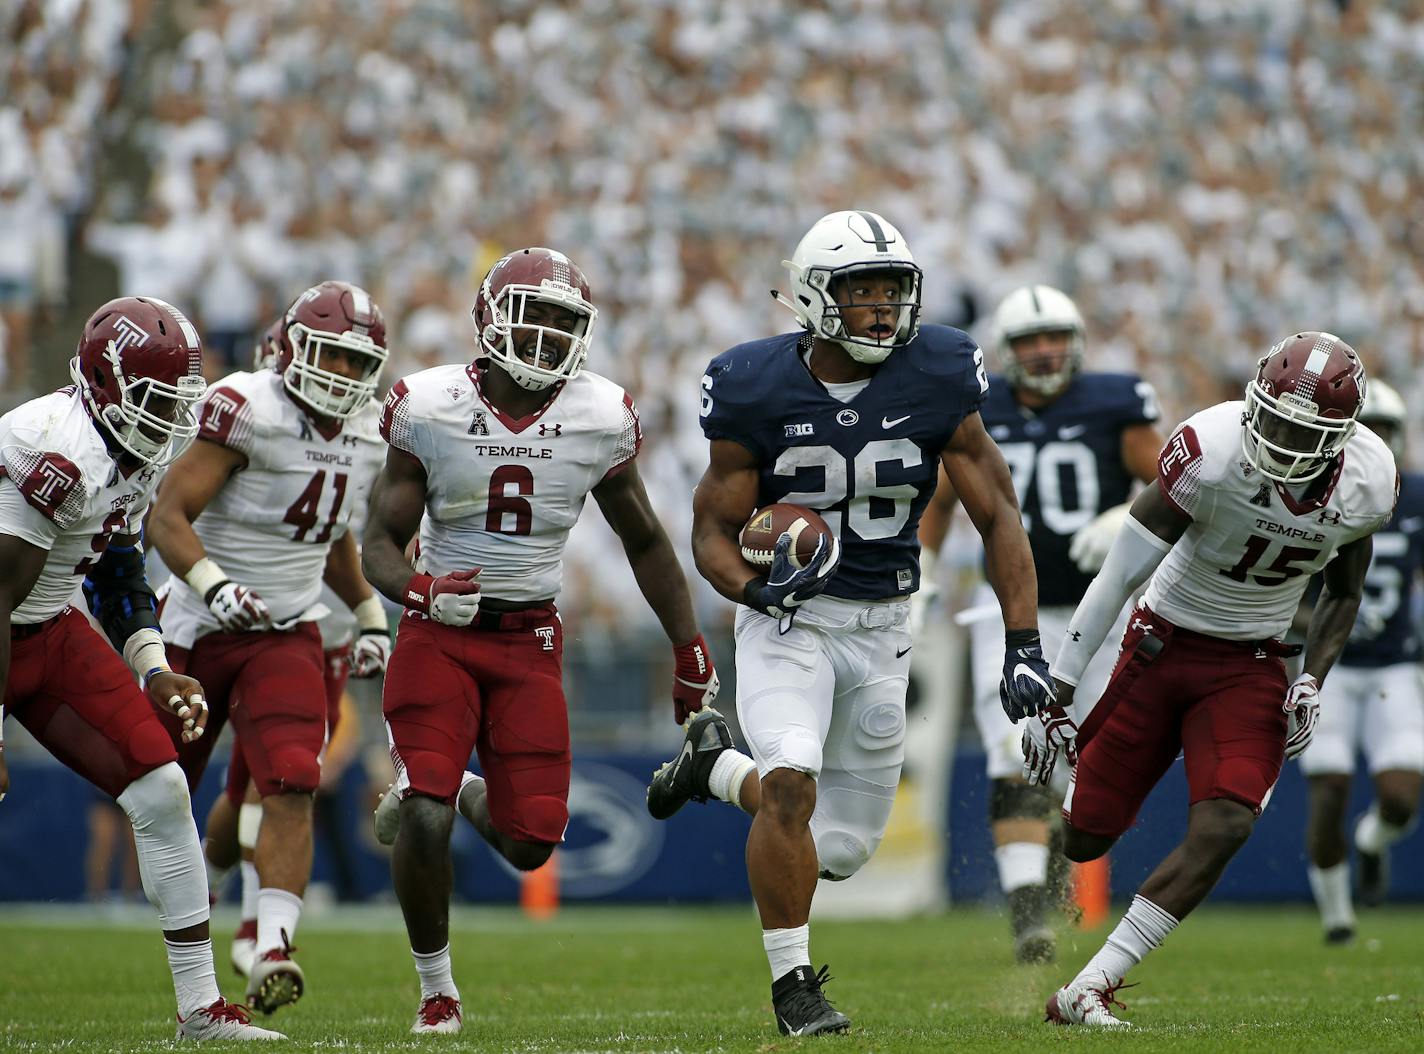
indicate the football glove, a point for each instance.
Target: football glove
{"x":1026,"y":687}
{"x":370,"y":654}
{"x":1090,"y":545}
{"x":784,"y":589}
{"x":238,"y":608}
{"x":923,"y":600}
{"x":1047,"y":734}
{"x":1302,"y":707}
{"x":451,"y":600}
{"x":694,"y":680}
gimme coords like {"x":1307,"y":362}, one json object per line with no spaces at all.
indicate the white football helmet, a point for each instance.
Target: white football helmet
{"x":840,"y":244}
{"x":1038,"y":309}
{"x":1385,"y":406}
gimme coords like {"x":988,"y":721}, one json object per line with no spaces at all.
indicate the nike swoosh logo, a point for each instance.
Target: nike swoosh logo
{"x":1072,"y":431}
{"x":885,"y":422}
{"x":1023,"y":670}
{"x":902,"y":654}
{"x":686,"y":753}
{"x":792,"y":1031}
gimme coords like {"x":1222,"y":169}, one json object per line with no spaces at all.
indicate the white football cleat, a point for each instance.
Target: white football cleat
{"x":438,"y":1014}
{"x":275,"y":979}
{"x":387,"y":817}
{"x":222,"y":1020}
{"x":1086,"y":1005}
{"x":244,"y":947}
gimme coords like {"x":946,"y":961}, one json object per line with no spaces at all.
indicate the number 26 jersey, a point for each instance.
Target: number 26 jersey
{"x":1242,"y":566}
{"x":502,"y":493}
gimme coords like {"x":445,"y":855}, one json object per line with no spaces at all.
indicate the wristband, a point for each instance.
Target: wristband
{"x":206,"y":577}
{"x":417,"y":592}
{"x":750,"y":591}
{"x":371,"y":616}
{"x":1020,"y":638}
{"x":145,"y":655}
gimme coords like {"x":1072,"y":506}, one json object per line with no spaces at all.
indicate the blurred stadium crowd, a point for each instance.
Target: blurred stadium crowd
{"x":1202,"y":176}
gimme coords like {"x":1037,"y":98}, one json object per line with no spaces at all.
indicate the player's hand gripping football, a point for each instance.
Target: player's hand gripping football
{"x":1026,"y":687}
{"x":1302,"y":709}
{"x":238,"y":608}
{"x":182,"y":696}
{"x":694,"y":680}
{"x":1047,"y":734}
{"x":787,"y":588}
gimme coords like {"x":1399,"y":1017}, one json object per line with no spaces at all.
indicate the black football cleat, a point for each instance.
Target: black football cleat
{"x":802,"y":1009}
{"x":1373,"y":877}
{"x":684,"y":778}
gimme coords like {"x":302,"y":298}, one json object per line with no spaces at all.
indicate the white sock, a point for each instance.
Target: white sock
{"x":277,"y":912}
{"x":1021,"y":864}
{"x":434,"y":971}
{"x":1144,"y":927}
{"x":217,"y":878}
{"x":194,"y":981}
{"x":729,"y":771}
{"x":786,"y":949}
{"x":251,"y":884}
{"x":1373,"y":835}
{"x":1331,"y":886}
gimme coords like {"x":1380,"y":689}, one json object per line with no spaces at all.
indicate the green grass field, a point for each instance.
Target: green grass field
{"x":696,"y":980}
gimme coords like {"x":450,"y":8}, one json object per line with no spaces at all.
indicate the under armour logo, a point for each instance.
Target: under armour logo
{"x":479,"y":424}
{"x":1077,"y":636}
{"x":129,"y":333}
{"x":1329,"y":516}
{"x":546,"y":637}
{"x":1263,"y":496}
{"x":550,"y":430}
{"x":1137,"y":623}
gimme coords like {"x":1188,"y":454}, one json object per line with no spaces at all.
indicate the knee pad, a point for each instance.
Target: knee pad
{"x":1012,"y":800}
{"x":536,"y":818}
{"x":294,"y":768}
{"x":249,"y":823}
{"x":840,"y":854}
{"x":149,"y":744}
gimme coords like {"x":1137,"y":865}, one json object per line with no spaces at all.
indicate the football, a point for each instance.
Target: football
{"x":767,"y":524}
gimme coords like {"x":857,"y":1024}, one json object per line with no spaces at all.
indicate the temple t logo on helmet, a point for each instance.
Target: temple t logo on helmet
{"x":139,"y":370}
{"x":836,"y":247}
{"x":1302,"y":406}
{"x":1031,"y":310}
{"x":534,"y":317}
{"x":329,"y":322}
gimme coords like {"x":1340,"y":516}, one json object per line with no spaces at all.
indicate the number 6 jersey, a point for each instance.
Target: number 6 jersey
{"x":1242,"y":566}
{"x":503,"y":493}
{"x":271,"y":525}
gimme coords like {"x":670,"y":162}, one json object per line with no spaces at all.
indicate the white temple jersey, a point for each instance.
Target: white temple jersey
{"x":272,"y":524}
{"x":1242,"y":566}
{"x":61,"y":490}
{"x":502,"y":494}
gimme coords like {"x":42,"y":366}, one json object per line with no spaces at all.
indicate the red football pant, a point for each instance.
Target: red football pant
{"x":74,"y":694}
{"x":498,"y":692}
{"x":1218,"y":701}
{"x":271,"y":686}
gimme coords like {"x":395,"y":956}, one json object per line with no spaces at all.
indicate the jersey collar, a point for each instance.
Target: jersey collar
{"x":514,"y":424}
{"x":1317,"y":495}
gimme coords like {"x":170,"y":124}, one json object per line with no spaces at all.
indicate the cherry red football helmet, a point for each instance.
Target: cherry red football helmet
{"x":269,"y":346}
{"x":332,"y":317}
{"x":1302,"y":405}
{"x":534,"y":276}
{"x":139,"y":370}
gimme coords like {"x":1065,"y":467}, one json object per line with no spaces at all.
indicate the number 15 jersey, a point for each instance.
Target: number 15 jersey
{"x":503,"y":493}
{"x":1242,"y":566}
{"x":271,"y":525}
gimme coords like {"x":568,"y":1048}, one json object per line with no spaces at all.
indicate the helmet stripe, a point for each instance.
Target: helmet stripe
{"x":877,"y":232}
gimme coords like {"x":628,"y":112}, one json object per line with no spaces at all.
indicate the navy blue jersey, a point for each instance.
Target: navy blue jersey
{"x":1387,"y":635}
{"x":1066,"y":460}
{"x":867,"y":466}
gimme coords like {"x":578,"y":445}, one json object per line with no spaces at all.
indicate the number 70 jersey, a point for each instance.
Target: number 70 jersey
{"x":1242,"y":566}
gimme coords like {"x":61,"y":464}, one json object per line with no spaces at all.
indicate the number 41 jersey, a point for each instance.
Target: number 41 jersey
{"x":502,"y":493}
{"x":271,"y":525}
{"x":1240,"y":569}
{"x":868,"y":466}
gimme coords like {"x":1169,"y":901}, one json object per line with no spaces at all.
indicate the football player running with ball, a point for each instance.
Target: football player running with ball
{"x":492,"y":463}
{"x":1374,"y":701}
{"x":1251,"y":500}
{"x":851,"y":416}
{"x":79,"y":468}
{"x":252,"y":519}
{"x":1075,"y":443}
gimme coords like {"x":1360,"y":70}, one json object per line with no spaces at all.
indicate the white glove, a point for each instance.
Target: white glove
{"x":370,"y":654}
{"x":1046,"y":734}
{"x":1302,"y":709}
{"x":453,"y":599}
{"x":1369,"y":623}
{"x":238,"y":608}
{"x":1090,"y":545}
{"x":923,"y":600}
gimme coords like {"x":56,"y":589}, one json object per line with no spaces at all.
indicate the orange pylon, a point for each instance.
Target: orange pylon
{"x":539,"y":890}
{"x":1092,"y":892}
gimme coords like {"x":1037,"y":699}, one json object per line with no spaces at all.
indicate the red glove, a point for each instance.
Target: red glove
{"x":694,"y":680}
{"x":452,"y":600}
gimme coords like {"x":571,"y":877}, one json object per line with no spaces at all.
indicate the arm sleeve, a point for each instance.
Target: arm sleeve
{"x":1134,"y":555}
{"x":119,"y":596}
